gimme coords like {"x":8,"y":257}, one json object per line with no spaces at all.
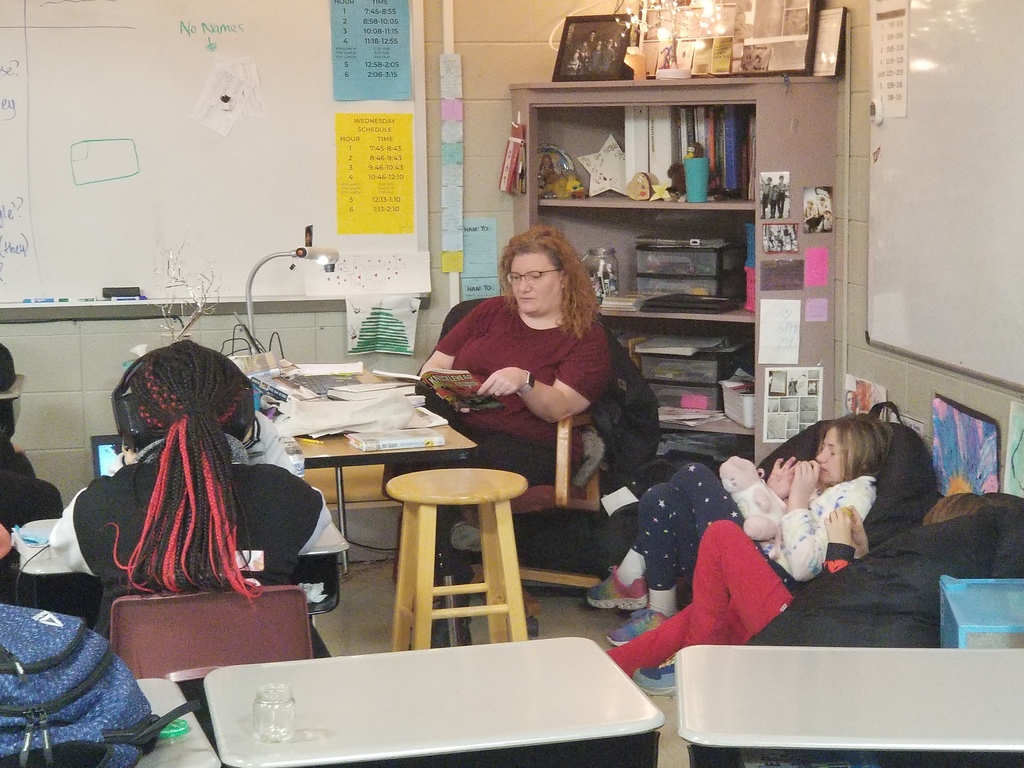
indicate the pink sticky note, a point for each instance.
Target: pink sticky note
{"x":816,"y":310}
{"x":451,"y":109}
{"x":694,"y":401}
{"x":816,"y":266}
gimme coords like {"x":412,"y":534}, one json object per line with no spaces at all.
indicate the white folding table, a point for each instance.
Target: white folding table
{"x":917,"y":699}
{"x":555,"y":702}
{"x":192,"y":750}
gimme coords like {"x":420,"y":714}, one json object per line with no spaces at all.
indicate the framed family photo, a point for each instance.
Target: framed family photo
{"x":593,"y":48}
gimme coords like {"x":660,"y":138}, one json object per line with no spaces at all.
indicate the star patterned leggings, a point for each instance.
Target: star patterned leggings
{"x":673,"y":516}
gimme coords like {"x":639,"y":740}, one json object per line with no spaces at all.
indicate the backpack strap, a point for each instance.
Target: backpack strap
{"x":884,"y":409}
{"x":147,"y":730}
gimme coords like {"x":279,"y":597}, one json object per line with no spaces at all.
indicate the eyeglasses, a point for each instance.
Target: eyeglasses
{"x":531,"y":278}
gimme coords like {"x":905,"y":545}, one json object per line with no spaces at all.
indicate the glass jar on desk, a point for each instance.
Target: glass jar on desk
{"x":273,"y":713}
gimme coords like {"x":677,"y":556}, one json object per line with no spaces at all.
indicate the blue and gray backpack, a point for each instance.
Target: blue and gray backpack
{"x":65,"y":697}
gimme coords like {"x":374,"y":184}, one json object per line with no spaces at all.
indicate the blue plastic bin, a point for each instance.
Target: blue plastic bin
{"x":982,"y":613}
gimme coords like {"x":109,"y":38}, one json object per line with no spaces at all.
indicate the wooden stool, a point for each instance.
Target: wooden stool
{"x":421,"y":492}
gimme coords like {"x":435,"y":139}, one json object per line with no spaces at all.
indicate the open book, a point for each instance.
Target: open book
{"x":457,"y":388}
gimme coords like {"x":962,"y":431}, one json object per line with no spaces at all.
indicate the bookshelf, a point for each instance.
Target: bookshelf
{"x":796,"y":131}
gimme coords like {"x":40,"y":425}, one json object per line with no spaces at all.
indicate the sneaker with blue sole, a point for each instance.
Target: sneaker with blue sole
{"x":659,"y":680}
{"x":639,"y":622}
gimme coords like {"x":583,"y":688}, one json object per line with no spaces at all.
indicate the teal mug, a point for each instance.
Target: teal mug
{"x":696,"y":170}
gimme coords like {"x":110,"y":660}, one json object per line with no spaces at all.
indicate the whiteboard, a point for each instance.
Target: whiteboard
{"x":107,"y":180}
{"x":945,"y":266}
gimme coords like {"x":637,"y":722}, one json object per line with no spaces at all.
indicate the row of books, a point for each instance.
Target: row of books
{"x":658,"y":136}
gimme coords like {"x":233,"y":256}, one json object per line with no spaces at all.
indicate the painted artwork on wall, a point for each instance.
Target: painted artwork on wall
{"x":965,"y":449}
{"x":1013,"y":472}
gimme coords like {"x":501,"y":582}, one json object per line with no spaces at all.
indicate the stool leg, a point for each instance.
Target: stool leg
{"x":510,"y":570}
{"x":405,"y":586}
{"x":490,"y":560}
{"x":423,"y":604}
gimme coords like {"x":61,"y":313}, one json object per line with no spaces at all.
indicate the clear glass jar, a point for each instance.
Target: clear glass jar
{"x":603,"y":268}
{"x":273,"y":713}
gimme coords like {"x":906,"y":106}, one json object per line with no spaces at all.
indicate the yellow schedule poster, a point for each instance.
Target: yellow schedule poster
{"x":375,"y":174}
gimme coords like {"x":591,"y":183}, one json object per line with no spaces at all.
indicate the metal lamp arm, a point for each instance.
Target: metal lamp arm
{"x":248,"y":285}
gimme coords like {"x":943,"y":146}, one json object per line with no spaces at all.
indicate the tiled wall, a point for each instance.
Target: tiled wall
{"x":71,"y":367}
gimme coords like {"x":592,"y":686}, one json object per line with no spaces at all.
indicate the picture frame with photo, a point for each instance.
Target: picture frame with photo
{"x":784,"y":33}
{"x":593,"y":48}
{"x":829,"y":48}
{"x":817,"y":211}
{"x":774,"y":194}
{"x":780,"y":238}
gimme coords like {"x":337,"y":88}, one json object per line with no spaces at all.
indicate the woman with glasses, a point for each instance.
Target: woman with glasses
{"x":539,"y":348}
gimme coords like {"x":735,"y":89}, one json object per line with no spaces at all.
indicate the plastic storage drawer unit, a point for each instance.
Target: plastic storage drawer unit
{"x":982,"y":613}
{"x":699,"y":261}
{"x":699,"y":269}
{"x":705,"y":369}
{"x":701,"y":398}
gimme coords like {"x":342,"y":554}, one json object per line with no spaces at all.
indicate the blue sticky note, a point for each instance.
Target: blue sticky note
{"x":479,"y":287}
{"x":451,"y":154}
{"x":480,"y":246}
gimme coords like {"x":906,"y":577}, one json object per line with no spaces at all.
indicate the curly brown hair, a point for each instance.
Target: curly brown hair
{"x":579,"y":303}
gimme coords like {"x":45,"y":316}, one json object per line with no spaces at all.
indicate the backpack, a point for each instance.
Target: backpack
{"x":626,"y":417}
{"x":65,"y":698}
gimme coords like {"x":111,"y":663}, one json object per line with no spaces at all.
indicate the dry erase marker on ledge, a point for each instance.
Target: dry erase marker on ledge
{"x":38,"y":301}
{"x":127,"y":298}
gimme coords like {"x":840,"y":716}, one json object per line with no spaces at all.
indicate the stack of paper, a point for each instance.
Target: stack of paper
{"x":683,"y":346}
{"x":689,"y":417}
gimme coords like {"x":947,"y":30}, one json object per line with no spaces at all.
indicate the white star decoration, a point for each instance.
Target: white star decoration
{"x":607,"y":168}
{"x":661,"y":503}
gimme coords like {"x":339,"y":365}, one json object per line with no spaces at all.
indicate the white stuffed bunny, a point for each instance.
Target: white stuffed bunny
{"x":760,"y":506}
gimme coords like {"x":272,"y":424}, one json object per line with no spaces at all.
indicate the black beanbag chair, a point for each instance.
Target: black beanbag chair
{"x":906,"y":486}
{"x":891,"y":597}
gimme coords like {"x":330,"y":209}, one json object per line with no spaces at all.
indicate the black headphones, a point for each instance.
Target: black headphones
{"x":136,"y":434}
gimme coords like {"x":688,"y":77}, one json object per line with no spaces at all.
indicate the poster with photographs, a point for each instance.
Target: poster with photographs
{"x":774,"y":194}
{"x":818,"y":209}
{"x":792,"y":401}
{"x":780,"y":238}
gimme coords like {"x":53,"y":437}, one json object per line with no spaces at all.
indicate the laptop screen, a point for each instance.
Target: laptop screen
{"x":105,"y":449}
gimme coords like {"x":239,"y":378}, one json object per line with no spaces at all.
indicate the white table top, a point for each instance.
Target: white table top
{"x":851,"y":698}
{"x":190,"y":751}
{"x":444,"y":700}
{"x":39,"y":560}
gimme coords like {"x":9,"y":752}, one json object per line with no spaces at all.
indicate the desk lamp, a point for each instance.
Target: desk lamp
{"x":326,"y":257}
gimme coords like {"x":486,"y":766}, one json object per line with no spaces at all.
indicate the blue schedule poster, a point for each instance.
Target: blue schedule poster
{"x":371,"y":41}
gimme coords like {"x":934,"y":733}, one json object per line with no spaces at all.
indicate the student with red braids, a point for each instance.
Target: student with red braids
{"x":187,"y":512}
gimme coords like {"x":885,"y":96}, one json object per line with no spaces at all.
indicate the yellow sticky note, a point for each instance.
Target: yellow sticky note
{"x":451,"y":261}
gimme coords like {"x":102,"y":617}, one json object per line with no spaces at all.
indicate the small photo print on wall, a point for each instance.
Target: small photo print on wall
{"x":780,"y":238}
{"x":774,"y":194}
{"x":817,"y":209}
{"x":792,"y":402}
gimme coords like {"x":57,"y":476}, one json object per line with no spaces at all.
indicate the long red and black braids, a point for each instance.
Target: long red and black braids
{"x":189,"y":537}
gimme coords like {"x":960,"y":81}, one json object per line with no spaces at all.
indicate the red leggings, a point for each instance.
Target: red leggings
{"x":735,"y":595}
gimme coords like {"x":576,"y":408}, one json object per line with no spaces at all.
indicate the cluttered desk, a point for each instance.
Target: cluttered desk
{"x":363,"y":419}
